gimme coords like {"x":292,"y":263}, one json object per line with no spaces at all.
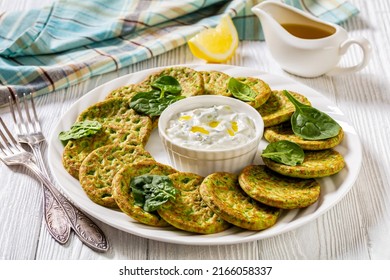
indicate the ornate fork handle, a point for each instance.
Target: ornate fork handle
{"x":89,"y":233}
{"x":55,"y":216}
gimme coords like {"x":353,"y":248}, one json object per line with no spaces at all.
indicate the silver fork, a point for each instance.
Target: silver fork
{"x":29,"y":132}
{"x":12,"y":153}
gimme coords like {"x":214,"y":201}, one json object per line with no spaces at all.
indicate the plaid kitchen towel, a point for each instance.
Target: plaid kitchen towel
{"x":60,"y":45}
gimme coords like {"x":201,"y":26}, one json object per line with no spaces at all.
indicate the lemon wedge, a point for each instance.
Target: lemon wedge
{"x":216,"y":44}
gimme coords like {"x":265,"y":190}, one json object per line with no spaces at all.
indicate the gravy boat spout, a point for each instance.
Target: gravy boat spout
{"x":305,"y":45}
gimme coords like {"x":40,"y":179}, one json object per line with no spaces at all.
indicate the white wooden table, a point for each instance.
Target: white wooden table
{"x":356,"y":228}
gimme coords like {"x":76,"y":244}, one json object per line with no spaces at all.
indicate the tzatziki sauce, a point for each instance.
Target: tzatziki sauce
{"x":211,"y":128}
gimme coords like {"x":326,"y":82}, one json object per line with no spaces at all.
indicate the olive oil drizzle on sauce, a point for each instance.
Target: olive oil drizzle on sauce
{"x":307,"y":31}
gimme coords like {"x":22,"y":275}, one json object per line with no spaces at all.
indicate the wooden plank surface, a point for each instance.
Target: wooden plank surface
{"x":356,"y":228}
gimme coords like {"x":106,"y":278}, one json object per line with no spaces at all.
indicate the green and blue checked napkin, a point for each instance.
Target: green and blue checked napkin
{"x":52,"y":48}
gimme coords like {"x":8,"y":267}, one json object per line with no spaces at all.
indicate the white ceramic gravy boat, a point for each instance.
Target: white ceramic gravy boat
{"x":307,"y":56}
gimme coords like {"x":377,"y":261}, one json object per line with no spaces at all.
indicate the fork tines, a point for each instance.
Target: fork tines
{"x":32,"y":124}
{"x":8,"y":144}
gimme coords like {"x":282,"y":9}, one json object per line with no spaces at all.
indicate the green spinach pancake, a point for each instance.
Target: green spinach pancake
{"x":315,"y":165}
{"x":190,"y":80}
{"x":123,"y":196}
{"x":128,"y":91}
{"x":223,"y":194}
{"x":260,"y":87}
{"x":216,"y":83}
{"x":284,"y":132}
{"x":278,"y":108}
{"x":273,"y":189}
{"x":120,"y":124}
{"x":188,"y":211}
{"x":100,"y":166}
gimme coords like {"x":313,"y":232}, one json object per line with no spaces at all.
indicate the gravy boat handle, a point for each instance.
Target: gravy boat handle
{"x":364,"y":45}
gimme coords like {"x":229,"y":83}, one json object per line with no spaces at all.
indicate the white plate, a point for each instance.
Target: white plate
{"x":333,"y":188}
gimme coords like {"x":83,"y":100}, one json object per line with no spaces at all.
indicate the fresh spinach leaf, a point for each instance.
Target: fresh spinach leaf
{"x":166,"y":91}
{"x":241,"y":90}
{"x":285,"y":152}
{"x":310,"y":123}
{"x":151,"y":191}
{"x":151,"y":103}
{"x":167,"y":84}
{"x":80,"y":129}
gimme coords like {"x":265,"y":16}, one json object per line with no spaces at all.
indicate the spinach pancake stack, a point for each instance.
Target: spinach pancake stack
{"x":310,"y":134}
{"x":107,"y":155}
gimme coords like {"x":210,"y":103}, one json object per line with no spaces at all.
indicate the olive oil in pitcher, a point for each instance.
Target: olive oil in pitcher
{"x":306,"y":31}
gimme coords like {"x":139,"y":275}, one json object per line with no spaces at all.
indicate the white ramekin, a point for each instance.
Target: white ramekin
{"x":205,"y":162}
